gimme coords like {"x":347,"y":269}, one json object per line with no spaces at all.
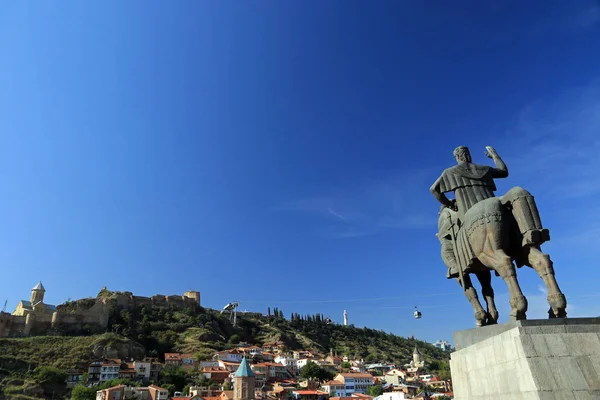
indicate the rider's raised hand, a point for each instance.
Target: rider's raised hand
{"x":491,"y":152}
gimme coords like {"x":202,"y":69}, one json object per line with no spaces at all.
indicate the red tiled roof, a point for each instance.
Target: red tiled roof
{"x":334,"y":383}
{"x":172,"y":356}
{"x":356,"y":375}
{"x":307,"y":392}
{"x":115,"y":387}
{"x":187,"y":356}
{"x":214,"y":369}
{"x":158,"y":388}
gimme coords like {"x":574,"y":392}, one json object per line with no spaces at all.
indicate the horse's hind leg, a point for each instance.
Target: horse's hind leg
{"x":502,"y":263}
{"x":485,"y":279}
{"x":542,"y":264}
{"x":479,"y":312}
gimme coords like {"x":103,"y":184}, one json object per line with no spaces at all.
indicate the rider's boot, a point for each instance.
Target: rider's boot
{"x":527,"y":216}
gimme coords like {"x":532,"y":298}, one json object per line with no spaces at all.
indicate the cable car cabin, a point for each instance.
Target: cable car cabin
{"x":418,"y":314}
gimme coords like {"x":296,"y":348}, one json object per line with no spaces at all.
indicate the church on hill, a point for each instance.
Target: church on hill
{"x":36,"y":304}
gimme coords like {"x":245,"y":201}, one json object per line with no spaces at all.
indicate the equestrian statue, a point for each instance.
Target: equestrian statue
{"x":480,"y":232}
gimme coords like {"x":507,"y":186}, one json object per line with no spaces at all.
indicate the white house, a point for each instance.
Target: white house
{"x":229,"y":356}
{"x":391,"y":396}
{"x":443,"y":344}
{"x":109,"y":370}
{"x":142,"y":369}
{"x":287,"y":361}
{"x":345,"y":384}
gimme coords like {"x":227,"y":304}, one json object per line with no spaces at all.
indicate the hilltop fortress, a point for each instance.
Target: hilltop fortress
{"x":34,"y":317}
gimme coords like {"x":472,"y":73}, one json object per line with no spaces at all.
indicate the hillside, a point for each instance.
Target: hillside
{"x":139,"y":331}
{"x":202,"y":331}
{"x":21,"y":359}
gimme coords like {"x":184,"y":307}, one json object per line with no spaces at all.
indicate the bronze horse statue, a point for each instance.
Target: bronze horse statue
{"x":480,"y":233}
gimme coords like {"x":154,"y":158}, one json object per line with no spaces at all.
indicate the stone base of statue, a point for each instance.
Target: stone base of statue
{"x":531,"y":359}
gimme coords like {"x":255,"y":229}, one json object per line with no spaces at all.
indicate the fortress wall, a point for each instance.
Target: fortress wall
{"x":159,"y":300}
{"x":17,"y":326}
{"x":124,"y":300}
{"x":43,"y":318}
{"x":5,"y":323}
{"x":142,"y":301}
{"x":176,"y":301}
{"x":97,"y":315}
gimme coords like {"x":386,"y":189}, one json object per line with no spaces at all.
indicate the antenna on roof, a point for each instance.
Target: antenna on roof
{"x":4,"y":308}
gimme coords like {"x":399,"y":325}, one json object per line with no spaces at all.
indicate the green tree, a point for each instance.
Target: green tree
{"x":170,"y":387}
{"x":312,"y":371}
{"x":227,"y":385}
{"x":345,"y":365}
{"x":46,"y":374}
{"x":175,"y":376}
{"x":375,"y":390}
{"x":235,"y":339}
{"x":81,"y":392}
{"x":444,"y":371}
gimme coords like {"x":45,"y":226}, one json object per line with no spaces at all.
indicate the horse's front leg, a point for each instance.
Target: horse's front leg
{"x":485,"y":279}
{"x":479,"y":312}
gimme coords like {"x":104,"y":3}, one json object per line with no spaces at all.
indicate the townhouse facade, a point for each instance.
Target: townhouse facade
{"x":345,"y":384}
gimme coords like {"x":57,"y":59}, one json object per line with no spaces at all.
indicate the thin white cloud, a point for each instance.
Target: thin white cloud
{"x":335,"y":214}
{"x":394,"y":201}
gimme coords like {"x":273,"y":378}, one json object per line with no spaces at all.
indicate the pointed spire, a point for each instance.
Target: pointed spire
{"x":39,"y":286}
{"x":244,"y":369}
{"x":416,"y":351}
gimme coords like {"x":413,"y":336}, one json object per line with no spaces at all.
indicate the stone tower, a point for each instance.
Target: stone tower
{"x":243,"y":382}
{"x":37,"y":294}
{"x":417,"y":357}
{"x":192,"y":294}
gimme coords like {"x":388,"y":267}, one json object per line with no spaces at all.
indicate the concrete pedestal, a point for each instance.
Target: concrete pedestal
{"x":557,"y":359}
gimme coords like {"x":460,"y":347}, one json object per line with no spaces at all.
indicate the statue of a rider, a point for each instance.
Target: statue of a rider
{"x":472,"y":183}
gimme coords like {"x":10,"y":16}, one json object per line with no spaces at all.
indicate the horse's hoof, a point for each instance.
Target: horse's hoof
{"x":560,"y":313}
{"x":557,"y":302}
{"x":493,"y":316}
{"x":491,"y":321}
{"x":480,"y":318}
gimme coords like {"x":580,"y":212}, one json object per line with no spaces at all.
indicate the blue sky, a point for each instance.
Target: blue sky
{"x":280,"y":153}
